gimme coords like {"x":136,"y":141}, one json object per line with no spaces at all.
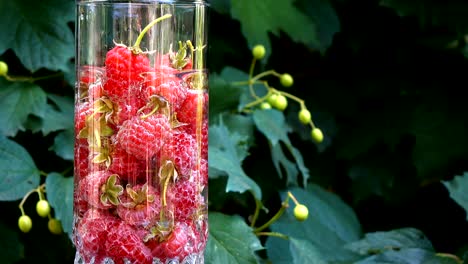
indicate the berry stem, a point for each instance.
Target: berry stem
{"x":136,"y":47}
{"x":272,"y":234}
{"x":258,"y":205}
{"x":265,"y":73}
{"x":25,"y":197}
{"x":293,"y":198}
{"x":278,"y":214}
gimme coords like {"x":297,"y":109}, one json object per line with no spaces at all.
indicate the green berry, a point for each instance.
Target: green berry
{"x":301,"y":212}
{"x":316,"y":135}
{"x":55,"y":227}
{"x":286,"y":80}
{"x":258,"y":52}
{"x":43,"y":208}
{"x":272,"y":99}
{"x":265,"y":105}
{"x":3,"y":68}
{"x":281,"y":102}
{"x":305,"y":116}
{"x":25,"y":223}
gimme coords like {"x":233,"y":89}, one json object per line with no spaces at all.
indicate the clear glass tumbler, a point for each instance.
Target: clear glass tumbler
{"x":141,"y":132}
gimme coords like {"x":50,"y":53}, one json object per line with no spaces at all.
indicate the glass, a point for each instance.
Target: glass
{"x":141,"y":132}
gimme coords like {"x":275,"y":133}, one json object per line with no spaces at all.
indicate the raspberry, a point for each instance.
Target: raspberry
{"x":124,"y":70}
{"x":82,"y":111}
{"x":127,"y":166}
{"x":91,"y":233}
{"x":81,"y":158}
{"x":180,"y":148}
{"x":123,"y":242}
{"x":184,"y":198}
{"x":101,"y":189}
{"x":200,"y":175}
{"x":140,"y":206}
{"x":167,"y":86}
{"x":179,"y":244}
{"x":143,"y":138}
{"x":190,"y":114}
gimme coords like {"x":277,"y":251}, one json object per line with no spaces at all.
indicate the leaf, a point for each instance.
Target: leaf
{"x":458,"y":190}
{"x":63,"y":144}
{"x":19,"y":172}
{"x":224,"y":149}
{"x":58,"y":116}
{"x":258,"y":18}
{"x":230,"y":241}
{"x":408,"y":256}
{"x":17,"y":101}
{"x":224,"y":97}
{"x":304,"y":252}
{"x":221,"y":6}
{"x":60,"y":195}
{"x":331,"y":225}
{"x":40,"y":41}
{"x":379,"y":242}
{"x":11,"y":248}
{"x":273,"y":125}
{"x":433,"y":13}
{"x":440,"y":126}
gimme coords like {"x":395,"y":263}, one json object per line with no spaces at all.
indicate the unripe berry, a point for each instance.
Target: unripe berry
{"x":265,"y":105}
{"x":43,"y":208}
{"x":55,"y":227}
{"x":25,"y":223}
{"x":258,"y":52}
{"x":301,"y":212}
{"x":272,"y":99}
{"x":317,"y":135}
{"x":3,"y":68}
{"x":286,"y":80}
{"x":281,"y":102}
{"x":304,"y":116}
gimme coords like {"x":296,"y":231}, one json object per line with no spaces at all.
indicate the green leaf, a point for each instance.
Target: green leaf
{"x":440,"y":128}
{"x":40,"y":41}
{"x":231,"y":241}
{"x":331,"y":225}
{"x":258,"y":18}
{"x":224,"y":156}
{"x":451,"y":14}
{"x":19,"y":172}
{"x":273,"y":125}
{"x":224,"y":97}
{"x":63,"y":144}
{"x":11,"y":248}
{"x":60,"y":195}
{"x":379,"y":242}
{"x":408,"y":256}
{"x":304,"y":252}
{"x":242,"y":125}
{"x":59,"y":115}
{"x":458,"y":189}
{"x":17,"y":101}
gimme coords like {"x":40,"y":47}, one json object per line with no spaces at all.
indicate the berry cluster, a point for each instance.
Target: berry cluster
{"x":141,"y":166}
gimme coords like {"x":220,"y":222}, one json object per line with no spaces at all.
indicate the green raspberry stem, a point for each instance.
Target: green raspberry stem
{"x":273,"y":234}
{"x":136,"y":47}
{"x":278,"y":214}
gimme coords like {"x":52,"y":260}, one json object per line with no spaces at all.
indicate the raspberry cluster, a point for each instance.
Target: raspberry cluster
{"x":141,"y":165}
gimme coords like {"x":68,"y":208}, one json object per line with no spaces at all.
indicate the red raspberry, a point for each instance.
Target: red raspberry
{"x":82,"y":111}
{"x":189,"y":112}
{"x":180,"y":148}
{"x":101,"y":189}
{"x":140,"y":206}
{"x":200,"y":174}
{"x":91,"y":234}
{"x":127,"y":166}
{"x":128,"y":108}
{"x":180,"y":243}
{"x":90,"y":81}
{"x":143,"y":138}
{"x":81,"y":158}
{"x":124,"y":71}
{"x":124,"y":243}
{"x":169,"y":87}
{"x":184,"y":199}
